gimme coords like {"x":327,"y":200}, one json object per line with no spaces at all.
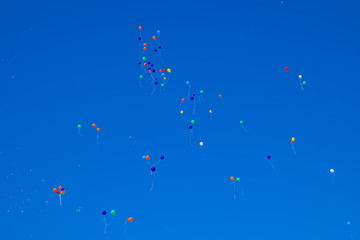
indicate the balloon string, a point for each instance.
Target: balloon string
{"x":105,"y":225}
{"x":189,"y":93}
{"x":234,"y":191}
{"x":153,"y":180}
{"x":80,"y":133}
{"x":125,"y":225}
{"x":60,"y":200}
{"x":293,"y":148}
{"x":194,"y":106}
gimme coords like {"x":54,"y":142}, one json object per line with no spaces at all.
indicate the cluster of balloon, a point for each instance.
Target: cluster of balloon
{"x":147,"y":66}
{"x":237,"y":180}
{"x":152,"y":168}
{"x":293,"y":145}
{"x":302,"y":83}
{"x":104,"y":214}
{"x":59,"y":192}
{"x":97,"y":134}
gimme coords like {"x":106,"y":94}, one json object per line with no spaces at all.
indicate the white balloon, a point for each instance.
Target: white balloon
{"x":332,"y":170}
{"x":201,"y":144}
{"x":300,"y":76}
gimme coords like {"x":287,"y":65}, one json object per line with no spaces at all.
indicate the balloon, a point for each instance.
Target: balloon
{"x":292,"y":139}
{"x":348,"y":223}
{"x":304,"y":82}
{"x":141,"y":76}
{"x":201,"y":91}
{"x":94,"y":125}
{"x":187,"y":83}
{"x":192,"y":98}
{"x":181,"y":111}
{"x":98,"y":129}
{"x":58,"y":192}
{"x":158,"y":31}
{"x":112,"y":212}
{"x":169,"y":70}
{"x":144,"y":48}
{"x":287,"y":68}
{"x":60,"y":187}
{"x":238,"y":179}
{"x":79,"y":126}
{"x":145,"y":44}
{"x":139,"y":38}
{"x":140,"y":27}
{"x":190,"y":127}
{"x":300,"y":76}
{"x":201,"y":144}
{"x":130,"y":219}
{"x":219,"y":95}
{"x":241,"y":121}
{"x":162,"y":157}
{"x":210,"y":111}
{"x":63,"y":192}
{"x":153,"y":169}
{"x":55,"y":190}
{"x":154,"y":37}
{"x":147,"y":157}
{"x":162,"y":84}
{"x":232,"y":178}
{"x":183,"y":100}
{"x":192,"y":121}
{"x":103,"y":213}
{"x":268,"y":157}
{"x":144,"y":58}
{"x":332,"y":170}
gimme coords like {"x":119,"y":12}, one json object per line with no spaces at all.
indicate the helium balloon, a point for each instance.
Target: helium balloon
{"x":219,"y":95}
{"x":300,"y":76}
{"x":94,"y":125}
{"x":192,"y":121}
{"x":162,"y":157}
{"x":140,"y":27}
{"x":130,"y":219}
{"x":332,"y":170}
{"x":238,"y":179}
{"x":98,"y":129}
{"x":181,"y":111}
{"x":190,"y":127}
{"x":158,"y":31}
{"x":147,"y":157}
{"x":201,"y":144}
{"x":232,"y":178}
{"x":241,"y":121}
{"x":154,"y":37}
{"x":201,"y":91}
{"x":304,"y":82}
{"x":210,"y":111}
{"x":286,"y":69}
{"x":292,"y":139}
{"x":145,"y":44}
{"x":103,"y":213}
{"x":144,"y":58}
{"x":268,"y":157}
{"x":187,"y":83}
{"x":79,"y":126}
{"x":112,"y":212}
{"x":153,"y":169}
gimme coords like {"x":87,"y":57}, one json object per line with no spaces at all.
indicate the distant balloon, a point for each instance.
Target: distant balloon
{"x":181,"y":111}
{"x":201,"y":144}
{"x":147,"y":157}
{"x":187,"y":83}
{"x":268,"y":157}
{"x":238,"y":179}
{"x":300,"y":76}
{"x":190,"y":127}
{"x":287,"y":68}
{"x":192,"y":121}
{"x":94,"y":125}
{"x":332,"y":170}
{"x":140,"y":27}
{"x":158,"y":32}
{"x":304,"y":82}
{"x":232,"y":178}
{"x":130,"y":219}
{"x":153,"y":169}
{"x":348,"y":223}
{"x":112,"y":212}
{"x":98,"y":129}
{"x":292,"y":139}
{"x":79,"y":126}
{"x":103,"y":213}
{"x":241,"y":121}
{"x":210,"y":111}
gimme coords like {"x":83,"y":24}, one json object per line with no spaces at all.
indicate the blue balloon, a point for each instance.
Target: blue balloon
{"x":158,"y":31}
{"x":187,"y":83}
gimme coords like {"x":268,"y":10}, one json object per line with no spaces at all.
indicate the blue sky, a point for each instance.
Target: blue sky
{"x":65,"y":63}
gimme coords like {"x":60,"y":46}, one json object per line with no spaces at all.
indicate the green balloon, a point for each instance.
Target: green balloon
{"x":144,"y":58}
{"x":79,"y":126}
{"x":112,"y":212}
{"x":304,"y":82}
{"x":192,"y":121}
{"x":162,"y":85}
{"x":238,"y":179}
{"x":201,"y":91}
{"x":140,"y":76}
{"x":241,"y":122}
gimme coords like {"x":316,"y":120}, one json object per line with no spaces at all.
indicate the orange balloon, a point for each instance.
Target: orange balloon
{"x":94,"y":125}
{"x":145,"y":44}
{"x":140,"y":27}
{"x":160,"y":70}
{"x":147,"y":157}
{"x":60,"y":187}
{"x":154,"y":37}
{"x":149,"y":71}
{"x":63,"y":191}
{"x":98,"y":129}
{"x":232,"y":178}
{"x":219,"y":95}
{"x":183,"y":100}
{"x":55,"y":190}
{"x":130,"y":219}
{"x":144,"y":48}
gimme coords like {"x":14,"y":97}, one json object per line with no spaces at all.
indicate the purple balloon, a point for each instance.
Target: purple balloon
{"x":152,"y":65}
{"x":153,"y":70}
{"x":104,"y":213}
{"x":192,"y":98}
{"x":155,"y":50}
{"x":162,"y":157}
{"x":190,"y":127}
{"x":268,"y":157}
{"x":139,"y":38}
{"x":148,"y":62}
{"x":149,"y":68}
{"x":153,"y":169}
{"x":159,"y":47}
{"x":139,"y":62}
{"x":194,"y":94}
{"x":156,"y":83}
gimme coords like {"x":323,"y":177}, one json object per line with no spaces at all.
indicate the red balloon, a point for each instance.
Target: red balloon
{"x":287,"y":68}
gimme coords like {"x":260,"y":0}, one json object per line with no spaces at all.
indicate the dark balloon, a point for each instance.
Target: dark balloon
{"x":153,"y":169}
{"x":268,"y":157}
{"x":153,"y":70}
{"x":159,"y":47}
{"x":162,"y":157}
{"x":139,"y":38}
{"x":156,"y":83}
{"x":152,"y":65}
{"x":155,"y":50}
{"x":190,"y":127}
{"x":104,"y":213}
{"x":192,"y":98}
{"x":139,"y":62}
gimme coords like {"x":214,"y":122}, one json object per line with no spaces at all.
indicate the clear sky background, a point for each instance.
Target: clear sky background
{"x":64,"y":63}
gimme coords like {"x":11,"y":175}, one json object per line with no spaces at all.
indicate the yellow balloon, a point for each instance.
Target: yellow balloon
{"x":164,"y":78}
{"x":169,"y":70}
{"x":210,"y":111}
{"x":293,"y":139}
{"x":181,"y":111}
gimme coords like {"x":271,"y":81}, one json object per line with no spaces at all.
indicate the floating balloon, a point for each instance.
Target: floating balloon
{"x":192,"y":121}
{"x":268,"y":157}
{"x":232,"y":178}
{"x":332,"y":170}
{"x":153,"y":169}
{"x":300,"y":76}
{"x":201,"y":144}
{"x":147,"y":157}
{"x":292,"y":145}
{"x":141,"y":28}
{"x":238,"y":179}
{"x":210,"y":111}
{"x":103,"y":213}
{"x":130,"y":219}
{"x":94,"y":125}
{"x":112,"y":212}
{"x":59,"y":192}
{"x":286,"y":69}
{"x":292,"y":139}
